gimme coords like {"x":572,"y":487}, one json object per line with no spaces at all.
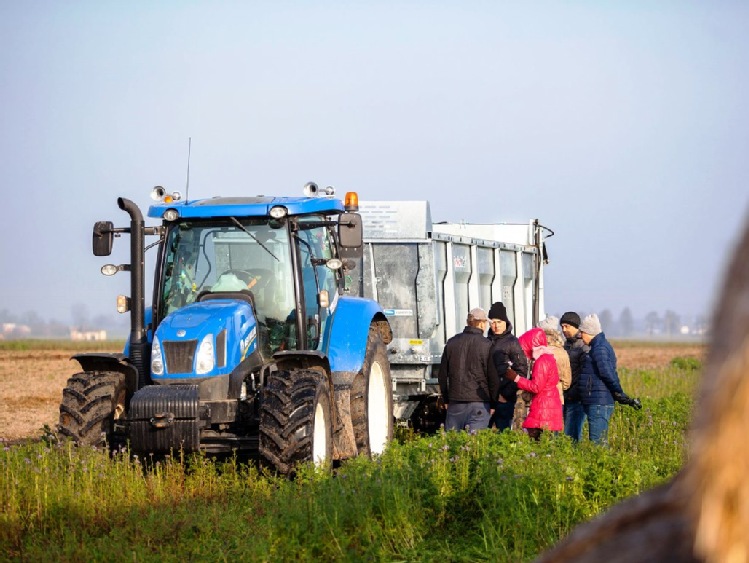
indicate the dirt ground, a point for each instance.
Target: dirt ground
{"x":650,"y":355}
{"x":31,"y":382}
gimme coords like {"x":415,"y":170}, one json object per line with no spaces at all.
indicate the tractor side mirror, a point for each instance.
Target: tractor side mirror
{"x":103,"y":237}
{"x":350,"y":235}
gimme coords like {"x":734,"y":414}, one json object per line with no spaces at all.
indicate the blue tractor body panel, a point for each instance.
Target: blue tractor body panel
{"x":228,"y":324}
{"x":246,"y":206}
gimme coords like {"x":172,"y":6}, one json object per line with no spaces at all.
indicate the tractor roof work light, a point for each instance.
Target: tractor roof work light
{"x":159,"y":193}
{"x":278,"y":212}
{"x":351,"y":201}
{"x":171,"y":215}
{"x":313,"y":190}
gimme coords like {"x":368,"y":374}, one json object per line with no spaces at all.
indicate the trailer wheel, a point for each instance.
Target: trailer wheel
{"x":372,"y":399}
{"x":296,"y":420}
{"x":91,"y":403}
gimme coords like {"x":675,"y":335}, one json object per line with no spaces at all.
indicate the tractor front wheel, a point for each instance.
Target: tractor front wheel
{"x":296,"y":420}
{"x":91,"y":404}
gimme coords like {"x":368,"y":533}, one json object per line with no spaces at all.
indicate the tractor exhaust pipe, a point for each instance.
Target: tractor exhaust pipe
{"x":139,"y":348}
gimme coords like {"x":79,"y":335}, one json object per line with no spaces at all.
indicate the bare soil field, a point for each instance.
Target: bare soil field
{"x":31,"y":381}
{"x":652,"y":355}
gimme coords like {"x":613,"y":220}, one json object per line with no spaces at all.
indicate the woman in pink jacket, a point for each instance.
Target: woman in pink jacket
{"x":546,"y":408}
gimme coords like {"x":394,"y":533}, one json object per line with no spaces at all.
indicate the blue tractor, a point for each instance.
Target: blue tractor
{"x":253,"y":342}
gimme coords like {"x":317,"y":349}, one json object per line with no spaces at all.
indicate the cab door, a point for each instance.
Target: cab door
{"x":320,"y":283}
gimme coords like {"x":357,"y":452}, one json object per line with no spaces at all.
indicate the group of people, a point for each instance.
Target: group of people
{"x":543,"y":380}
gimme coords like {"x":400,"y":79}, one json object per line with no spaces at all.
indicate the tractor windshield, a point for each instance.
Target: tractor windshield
{"x":229,"y":255}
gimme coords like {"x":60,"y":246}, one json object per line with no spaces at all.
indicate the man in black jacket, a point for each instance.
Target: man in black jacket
{"x":505,"y":348}
{"x":574,"y":416}
{"x":468,"y":385}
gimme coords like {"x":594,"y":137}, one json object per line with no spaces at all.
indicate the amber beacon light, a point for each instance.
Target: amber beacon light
{"x":351,"y":201}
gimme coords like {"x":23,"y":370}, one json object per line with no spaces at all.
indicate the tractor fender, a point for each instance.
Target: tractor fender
{"x":347,"y":351}
{"x":349,"y":332}
{"x":116,"y":362}
{"x":302,"y":359}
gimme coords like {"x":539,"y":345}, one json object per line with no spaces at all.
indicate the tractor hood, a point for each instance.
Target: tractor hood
{"x":203,"y":340}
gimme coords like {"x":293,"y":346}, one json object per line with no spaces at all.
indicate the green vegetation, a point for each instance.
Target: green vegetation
{"x":686,"y":363}
{"x":72,"y":346}
{"x":450,"y":497}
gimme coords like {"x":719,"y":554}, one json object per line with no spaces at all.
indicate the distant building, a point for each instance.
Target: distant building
{"x":14,"y":330}
{"x":88,"y":334}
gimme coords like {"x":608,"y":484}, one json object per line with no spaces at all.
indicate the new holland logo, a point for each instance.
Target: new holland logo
{"x":181,"y":333}
{"x":245,"y":343}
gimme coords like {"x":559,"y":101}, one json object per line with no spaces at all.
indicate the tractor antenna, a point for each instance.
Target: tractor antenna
{"x":187,"y":186}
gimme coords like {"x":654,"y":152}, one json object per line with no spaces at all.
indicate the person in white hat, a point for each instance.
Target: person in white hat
{"x":599,"y":381}
{"x":469,"y":384}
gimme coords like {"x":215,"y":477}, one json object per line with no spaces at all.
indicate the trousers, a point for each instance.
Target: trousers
{"x":598,"y":422}
{"x":467,"y":416}
{"x":574,"y":418}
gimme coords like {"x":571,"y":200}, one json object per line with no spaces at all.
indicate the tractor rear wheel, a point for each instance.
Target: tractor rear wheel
{"x":91,"y":403}
{"x":372,"y":399}
{"x":296,"y":420}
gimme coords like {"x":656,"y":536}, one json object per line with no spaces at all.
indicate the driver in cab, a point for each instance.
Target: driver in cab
{"x":229,"y":281}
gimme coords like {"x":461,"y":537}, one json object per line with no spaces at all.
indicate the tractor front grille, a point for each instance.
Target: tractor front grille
{"x":180,"y":356}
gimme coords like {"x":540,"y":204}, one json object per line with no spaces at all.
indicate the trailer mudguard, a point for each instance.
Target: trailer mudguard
{"x":347,"y":344}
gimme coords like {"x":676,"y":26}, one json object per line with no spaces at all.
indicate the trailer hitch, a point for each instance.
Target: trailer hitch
{"x":162,"y":420}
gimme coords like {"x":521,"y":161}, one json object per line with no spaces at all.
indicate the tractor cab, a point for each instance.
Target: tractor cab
{"x":278,"y":268}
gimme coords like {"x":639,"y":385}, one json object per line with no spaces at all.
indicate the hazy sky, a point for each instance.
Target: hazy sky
{"x":623,"y":126}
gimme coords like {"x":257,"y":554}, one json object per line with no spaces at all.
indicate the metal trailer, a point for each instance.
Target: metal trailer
{"x":427,"y":276}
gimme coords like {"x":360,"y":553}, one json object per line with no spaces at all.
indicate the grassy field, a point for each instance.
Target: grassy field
{"x":449,"y":497}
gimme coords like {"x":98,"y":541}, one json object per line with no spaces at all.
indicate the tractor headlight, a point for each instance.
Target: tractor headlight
{"x":206,"y":358}
{"x":157,"y":360}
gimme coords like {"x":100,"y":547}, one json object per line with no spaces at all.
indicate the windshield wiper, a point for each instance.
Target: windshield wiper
{"x":241,"y":226}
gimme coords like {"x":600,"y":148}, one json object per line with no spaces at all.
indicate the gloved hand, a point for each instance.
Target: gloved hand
{"x":625,"y":399}
{"x":510,"y":374}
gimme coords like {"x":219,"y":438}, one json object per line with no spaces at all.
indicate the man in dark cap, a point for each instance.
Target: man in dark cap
{"x":467,"y":384}
{"x":505,"y":348}
{"x":574,"y":416}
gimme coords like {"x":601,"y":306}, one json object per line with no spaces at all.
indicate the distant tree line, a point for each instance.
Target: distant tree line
{"x":654,"y":325}
{"x":670,"y":324}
